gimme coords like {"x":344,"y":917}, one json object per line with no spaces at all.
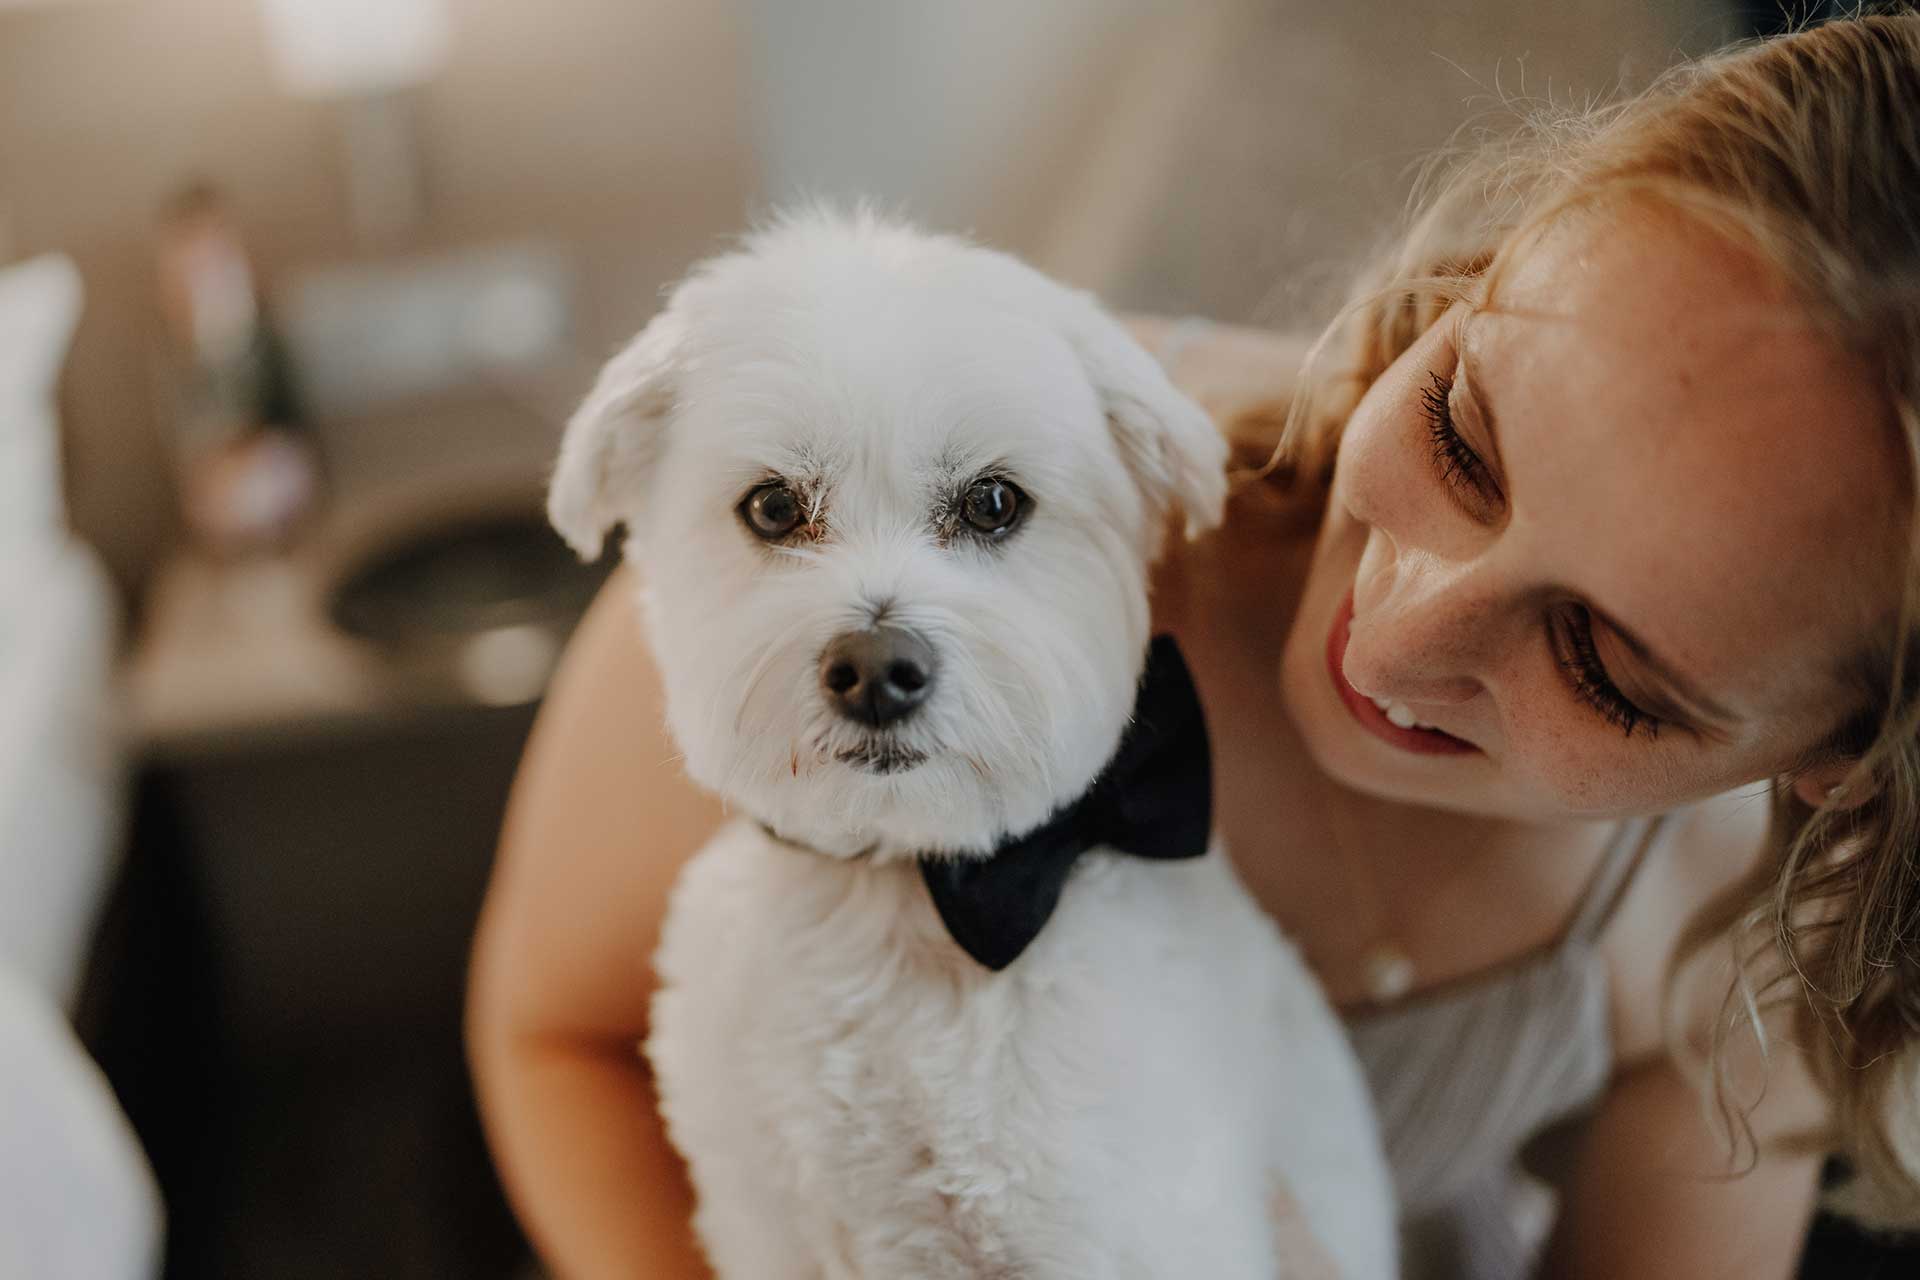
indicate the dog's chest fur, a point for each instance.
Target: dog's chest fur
{"x":857,"y":1097}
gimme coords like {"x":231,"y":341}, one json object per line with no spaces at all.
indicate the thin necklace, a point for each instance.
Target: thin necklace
{"x":1387,"y":969}
{"x":1387,"y":972}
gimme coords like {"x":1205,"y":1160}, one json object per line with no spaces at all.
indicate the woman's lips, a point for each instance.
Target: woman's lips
{"x":1430,"y":742}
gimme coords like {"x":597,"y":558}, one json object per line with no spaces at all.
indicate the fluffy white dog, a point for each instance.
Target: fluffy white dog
{"x":893,"y":499}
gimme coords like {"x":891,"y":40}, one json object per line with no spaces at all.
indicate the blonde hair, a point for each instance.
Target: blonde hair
{"x":1805,"y":150}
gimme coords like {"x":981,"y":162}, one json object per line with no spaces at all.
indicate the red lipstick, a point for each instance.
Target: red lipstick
{"x":1430,"y":742}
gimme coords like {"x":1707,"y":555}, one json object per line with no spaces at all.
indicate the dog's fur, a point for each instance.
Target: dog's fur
{"x":855,"y":1096}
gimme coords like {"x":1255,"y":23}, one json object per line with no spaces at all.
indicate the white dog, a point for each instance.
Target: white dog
{"x":893,"y":499}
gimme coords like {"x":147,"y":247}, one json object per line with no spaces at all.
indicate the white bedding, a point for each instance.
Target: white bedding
{"x":77,"y":1197}
{"x":60,"y":771}
{"x":62,"y":779}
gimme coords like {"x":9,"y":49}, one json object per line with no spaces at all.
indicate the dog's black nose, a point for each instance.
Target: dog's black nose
{"x":877,"y":676}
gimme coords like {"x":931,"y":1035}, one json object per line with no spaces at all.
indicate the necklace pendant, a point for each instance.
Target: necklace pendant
{"x":1387,"y":972}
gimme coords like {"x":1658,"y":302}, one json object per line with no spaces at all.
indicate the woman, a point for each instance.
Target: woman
{"x":1612,"y":488}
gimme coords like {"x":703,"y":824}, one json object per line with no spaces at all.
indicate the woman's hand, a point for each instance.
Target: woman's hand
{"x":1228,"y":369}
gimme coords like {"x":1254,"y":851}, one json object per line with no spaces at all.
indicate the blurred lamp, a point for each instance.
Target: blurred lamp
{"x":366,"y":54}
{"x":336,"y":48}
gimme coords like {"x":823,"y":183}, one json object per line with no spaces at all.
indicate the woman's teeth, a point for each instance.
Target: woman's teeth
{"x":1399,"y":714}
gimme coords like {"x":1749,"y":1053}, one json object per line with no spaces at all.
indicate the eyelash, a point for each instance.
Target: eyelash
{"x":1457,"y":465}
{"x":1591,"y":681}
{"x":1456,"y":462}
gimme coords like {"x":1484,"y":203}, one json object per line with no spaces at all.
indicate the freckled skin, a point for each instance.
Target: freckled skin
{"x":1680,"y":447}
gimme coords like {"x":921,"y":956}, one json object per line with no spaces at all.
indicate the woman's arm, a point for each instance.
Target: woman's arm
{"x":601,"y":820}
{"x":1652,"y":1195}
{"x":1655,"y":1191}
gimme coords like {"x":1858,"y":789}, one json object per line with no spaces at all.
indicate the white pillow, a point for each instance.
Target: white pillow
{"x":39,"y":307}
{"x":77,"y":1197}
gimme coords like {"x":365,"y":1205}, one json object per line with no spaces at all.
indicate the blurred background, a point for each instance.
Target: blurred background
{"x":294,"y":297}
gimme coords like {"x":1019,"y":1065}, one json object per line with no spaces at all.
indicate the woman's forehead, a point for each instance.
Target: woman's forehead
{"x":1682,"y":443}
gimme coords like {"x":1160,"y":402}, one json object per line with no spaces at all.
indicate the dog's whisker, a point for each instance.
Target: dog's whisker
{"x":806,"y":555}
{"x":749,"y":661}
{"x":760,"y":669}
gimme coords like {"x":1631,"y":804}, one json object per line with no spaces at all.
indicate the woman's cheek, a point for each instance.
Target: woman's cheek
{"x":1574,"y":768}
{"x":1566,"y":773}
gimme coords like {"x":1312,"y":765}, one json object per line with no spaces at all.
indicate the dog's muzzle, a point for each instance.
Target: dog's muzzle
{"x":878,"y":676}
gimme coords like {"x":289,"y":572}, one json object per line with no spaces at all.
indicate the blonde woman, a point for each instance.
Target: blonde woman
{"x":1561,"y":667}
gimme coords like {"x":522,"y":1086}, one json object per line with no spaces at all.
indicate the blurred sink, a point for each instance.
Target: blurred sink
{"x":482,"y":600}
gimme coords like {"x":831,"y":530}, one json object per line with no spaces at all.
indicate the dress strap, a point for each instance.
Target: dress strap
{"x":1635,"y":838}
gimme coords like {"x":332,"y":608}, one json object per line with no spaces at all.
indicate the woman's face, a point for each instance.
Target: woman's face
{"x":1614,"y":535}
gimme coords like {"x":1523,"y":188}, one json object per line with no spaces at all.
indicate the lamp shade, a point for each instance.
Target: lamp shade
{"x":341,"y":48}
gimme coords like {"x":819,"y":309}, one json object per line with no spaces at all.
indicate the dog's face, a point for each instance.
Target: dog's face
{"x":892,"y":500}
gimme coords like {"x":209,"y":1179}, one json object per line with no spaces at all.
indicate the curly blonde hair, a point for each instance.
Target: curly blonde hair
{"x":1805,"y":150}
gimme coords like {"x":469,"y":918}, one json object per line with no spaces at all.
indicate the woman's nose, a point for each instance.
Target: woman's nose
{"x":1425,"y":642}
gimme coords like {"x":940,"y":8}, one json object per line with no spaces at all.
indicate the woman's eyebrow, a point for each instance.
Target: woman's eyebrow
{"x":1694,"y":703}
{"x":1472,"y":393}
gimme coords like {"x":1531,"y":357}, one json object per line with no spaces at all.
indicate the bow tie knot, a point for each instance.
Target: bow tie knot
{"x":1154,"y":799}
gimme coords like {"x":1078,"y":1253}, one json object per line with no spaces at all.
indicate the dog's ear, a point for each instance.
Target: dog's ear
{"x":1177,"y":456}
{"x":614,"y":438}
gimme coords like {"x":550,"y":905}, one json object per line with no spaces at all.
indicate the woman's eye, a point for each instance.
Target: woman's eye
{"x":772,"y":511}
{"x":1459,"y":466}
{"x":992,"y":506}
{"x":1593,"y":684}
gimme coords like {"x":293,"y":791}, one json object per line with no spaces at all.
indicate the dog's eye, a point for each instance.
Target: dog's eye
{"x":992,"y":506}
{"x":772,"y":511}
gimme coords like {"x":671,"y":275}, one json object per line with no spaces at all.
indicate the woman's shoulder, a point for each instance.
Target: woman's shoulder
{"x":1681,"y":1051}
{"x":1710,"y":848}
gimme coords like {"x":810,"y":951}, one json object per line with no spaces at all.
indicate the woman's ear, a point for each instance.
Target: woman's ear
{"x":615,"y":437}
{"x":1831,"y":784}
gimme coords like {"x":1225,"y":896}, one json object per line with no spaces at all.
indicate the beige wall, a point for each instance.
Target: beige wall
{"x":1289,"y":133}
{"x":614,"y":126}
{"x":1223,"y":156}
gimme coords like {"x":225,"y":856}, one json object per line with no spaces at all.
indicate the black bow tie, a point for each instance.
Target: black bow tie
{"x":1154,"y":799}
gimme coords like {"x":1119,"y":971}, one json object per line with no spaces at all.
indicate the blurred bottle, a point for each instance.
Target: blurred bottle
{"x":246,"y":466}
